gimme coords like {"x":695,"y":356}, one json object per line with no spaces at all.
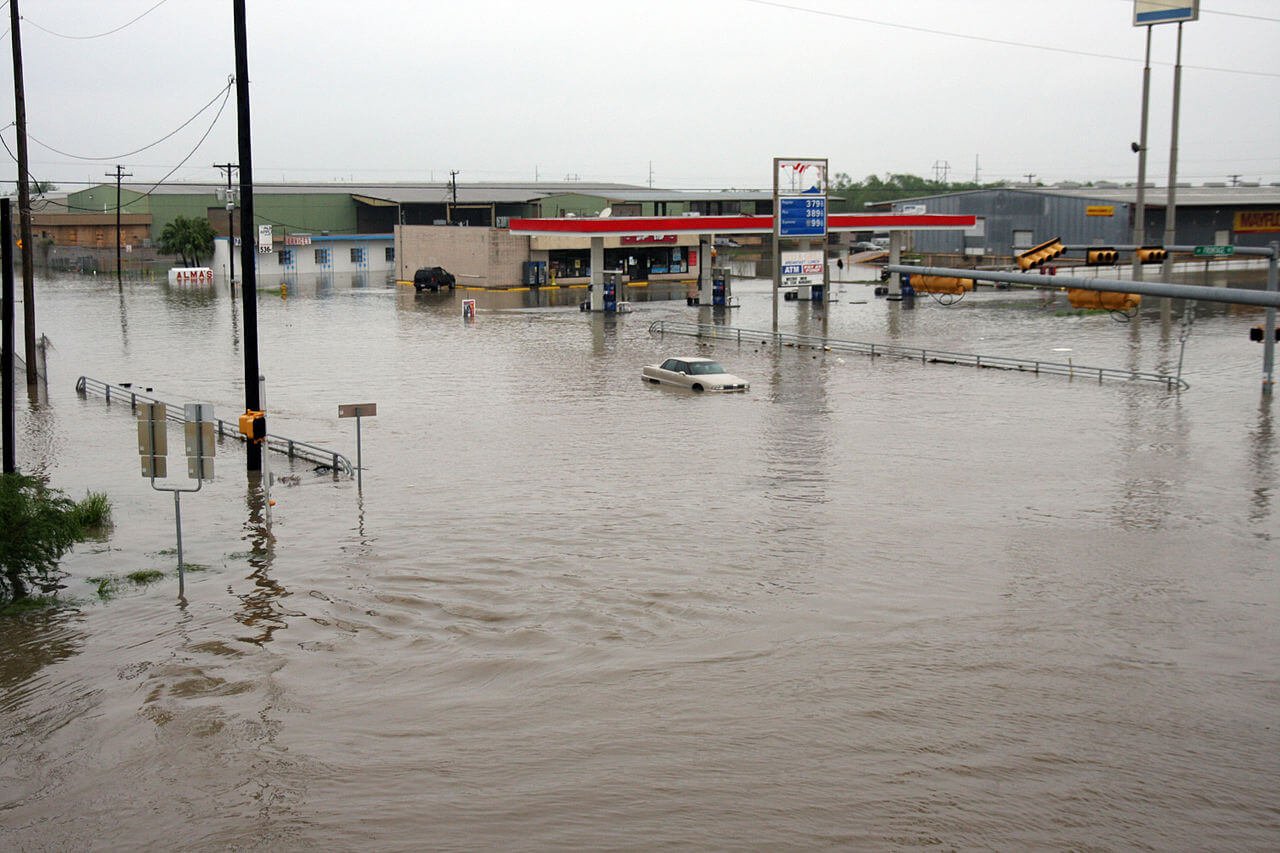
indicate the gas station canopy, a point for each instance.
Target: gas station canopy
{"x":637,"y":226}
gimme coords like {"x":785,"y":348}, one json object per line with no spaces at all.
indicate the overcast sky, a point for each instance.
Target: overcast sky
{"x":696,"y":93}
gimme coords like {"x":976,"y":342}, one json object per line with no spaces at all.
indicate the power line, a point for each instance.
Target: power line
{"x":98,"y":35}
{"x":988,"y":39}
{"x":224,"y":91}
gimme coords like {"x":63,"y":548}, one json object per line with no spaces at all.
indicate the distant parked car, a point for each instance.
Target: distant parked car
{"x":696,"y":374}
{"x":865,"y":246}
{"x":432,"y":279}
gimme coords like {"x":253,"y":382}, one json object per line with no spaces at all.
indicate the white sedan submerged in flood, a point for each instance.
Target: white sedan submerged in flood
{"x":696,"y":374}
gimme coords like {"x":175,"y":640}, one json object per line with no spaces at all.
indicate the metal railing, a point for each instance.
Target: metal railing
{"x":925,"y":356}
{"x":290,"y":447}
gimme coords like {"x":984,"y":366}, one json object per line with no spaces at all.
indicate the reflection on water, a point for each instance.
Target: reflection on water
{"x":869,"y":604}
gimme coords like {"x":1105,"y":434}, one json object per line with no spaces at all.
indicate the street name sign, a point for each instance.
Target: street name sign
{"x":1214,"y":251}
{"x":357,"y":410}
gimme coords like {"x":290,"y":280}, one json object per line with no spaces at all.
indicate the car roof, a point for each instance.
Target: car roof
{"x":691,"y":358}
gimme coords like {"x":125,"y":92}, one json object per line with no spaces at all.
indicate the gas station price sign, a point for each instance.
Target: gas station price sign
{"x":802,"y":216}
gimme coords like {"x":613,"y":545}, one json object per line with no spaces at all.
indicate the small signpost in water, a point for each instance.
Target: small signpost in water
{"x":153,"y":448}
{"x":358,"y":411}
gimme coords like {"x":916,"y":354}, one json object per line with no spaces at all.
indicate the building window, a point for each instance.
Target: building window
{"x":1023,"y":239}
{"x":357,"y":254}
{"x":391,"y":254}
{"x":323,"y":258}
{"x":286,"y":257}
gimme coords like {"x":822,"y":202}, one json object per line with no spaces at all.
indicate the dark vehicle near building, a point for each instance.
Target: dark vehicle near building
{"x":432,"y":279}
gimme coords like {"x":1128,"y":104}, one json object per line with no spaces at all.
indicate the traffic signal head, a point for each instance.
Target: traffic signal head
{"x":1042,"y":254}
{"x":253,"y":425}
{"x":1152,"y":255}
{"x":1102,"y":257}
{"x":1259,"y":334}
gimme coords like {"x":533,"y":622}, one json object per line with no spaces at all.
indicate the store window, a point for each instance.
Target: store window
{"x":391,"y":254}
{"x":357,"y":254}
{"x":323,"y":258}
{"x":286,"y":257}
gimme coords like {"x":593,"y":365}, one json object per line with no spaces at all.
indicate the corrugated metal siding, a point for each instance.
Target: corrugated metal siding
{"x":1005,"y":211}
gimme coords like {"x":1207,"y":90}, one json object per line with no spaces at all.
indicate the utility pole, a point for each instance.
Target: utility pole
{"x":650,"y":174}
{"x":453,"y":185}
{"x":6,"y":355}
{"x":248,"y":241}
{"x":231,"y":218}
{"x":1030,"y":176}
{"x":1235,"y":180}
{"x":24,"y":197}
{"x":119,"y":173}
{"x":975,"y":169}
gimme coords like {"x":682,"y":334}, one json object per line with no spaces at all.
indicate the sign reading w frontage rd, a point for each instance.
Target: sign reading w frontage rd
{"x":1214,"y":251}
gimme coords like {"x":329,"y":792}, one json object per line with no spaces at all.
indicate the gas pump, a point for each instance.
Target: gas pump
{"x":720,"y":286}
{"x":816,"y":292}
{"x":610,"y":291}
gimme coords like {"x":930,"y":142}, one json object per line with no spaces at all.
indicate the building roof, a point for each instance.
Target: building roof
{"x":1202,"y":196}
{"x":479,"y":192}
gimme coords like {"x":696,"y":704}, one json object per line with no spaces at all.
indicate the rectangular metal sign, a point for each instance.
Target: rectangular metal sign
{"x":1100,"y":210}
{"x":198,"y":411}
{"x":199,"y":438}
{"x":802,"y":216}
{"x":912,"y":209}
{"x":1214,"y":251}
{"x":199,"y":468}
{"x":153,"y":438}
{"x":1256,"y":221}
{"x":801,"y":268}
{"x":357,"y":410}
{"x":155,"y":466}
{"x":264,"y":239}
{"x":1148,"y":12}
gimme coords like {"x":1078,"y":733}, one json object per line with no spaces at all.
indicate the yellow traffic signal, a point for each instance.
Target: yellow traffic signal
{"x":1042,"y":254}
{"x":1104,"y":257}
{"x":1152,"y":255}
{"x":1081,"y":298}
{"x":941,"y":284}
{"x":253,"y":425}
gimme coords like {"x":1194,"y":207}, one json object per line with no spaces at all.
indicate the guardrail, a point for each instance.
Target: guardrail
{"x":925,"y":356}
{"x":290,"y":447}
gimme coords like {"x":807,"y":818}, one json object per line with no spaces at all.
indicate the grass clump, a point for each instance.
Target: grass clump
{"x":143,"y":577}
{"x":40,"y":524}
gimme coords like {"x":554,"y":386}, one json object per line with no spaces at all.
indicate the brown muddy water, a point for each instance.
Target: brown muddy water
{"x":866,"y":605}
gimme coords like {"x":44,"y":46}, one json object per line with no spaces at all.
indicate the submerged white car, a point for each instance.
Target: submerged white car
{"x":696,"y":374}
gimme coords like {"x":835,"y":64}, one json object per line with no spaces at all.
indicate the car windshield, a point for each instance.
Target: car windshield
{"x":705,"y":368}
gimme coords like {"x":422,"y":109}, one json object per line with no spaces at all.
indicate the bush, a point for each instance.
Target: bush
{"x":40,"y":524}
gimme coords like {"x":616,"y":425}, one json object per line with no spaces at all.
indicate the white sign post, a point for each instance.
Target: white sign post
{"x":358,"y":411}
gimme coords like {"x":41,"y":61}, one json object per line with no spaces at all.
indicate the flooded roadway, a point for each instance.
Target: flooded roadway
{"x":868,"y":604}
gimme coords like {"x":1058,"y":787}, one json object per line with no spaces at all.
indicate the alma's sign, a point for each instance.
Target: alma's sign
{"x":1256,"y":221}
{"x":190,"y":274}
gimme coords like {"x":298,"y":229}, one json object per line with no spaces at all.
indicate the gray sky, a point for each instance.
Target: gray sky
{"x":708,"y":91}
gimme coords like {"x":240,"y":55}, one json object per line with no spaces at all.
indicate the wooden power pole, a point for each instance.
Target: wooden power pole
{"x":24,"y":197}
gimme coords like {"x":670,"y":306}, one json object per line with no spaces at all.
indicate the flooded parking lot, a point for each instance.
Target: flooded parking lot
{"x":867,"y":604}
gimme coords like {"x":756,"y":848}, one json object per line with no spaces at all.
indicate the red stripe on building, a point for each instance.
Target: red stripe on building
{"x":646,"y":225}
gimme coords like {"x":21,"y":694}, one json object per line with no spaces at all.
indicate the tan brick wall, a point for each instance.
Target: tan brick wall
{"x":479,"y":257}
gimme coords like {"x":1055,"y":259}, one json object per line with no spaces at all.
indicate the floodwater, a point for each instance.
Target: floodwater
{"x":865,"y":605}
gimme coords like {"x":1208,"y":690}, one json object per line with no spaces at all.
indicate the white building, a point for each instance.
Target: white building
{"x":306,"y":254}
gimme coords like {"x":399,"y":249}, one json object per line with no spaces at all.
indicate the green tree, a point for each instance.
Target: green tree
{"x":191,"y":239}
{"x":873,"y":188}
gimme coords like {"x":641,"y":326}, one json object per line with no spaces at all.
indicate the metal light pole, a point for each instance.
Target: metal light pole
{"x":1170,"y":208}
{"x":1140,"y":209}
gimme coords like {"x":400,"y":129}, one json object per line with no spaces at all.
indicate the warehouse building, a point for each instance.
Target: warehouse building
{"x":1011,"y":219}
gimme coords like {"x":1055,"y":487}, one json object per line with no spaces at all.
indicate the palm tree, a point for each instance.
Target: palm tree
{"x":191,"y":239}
